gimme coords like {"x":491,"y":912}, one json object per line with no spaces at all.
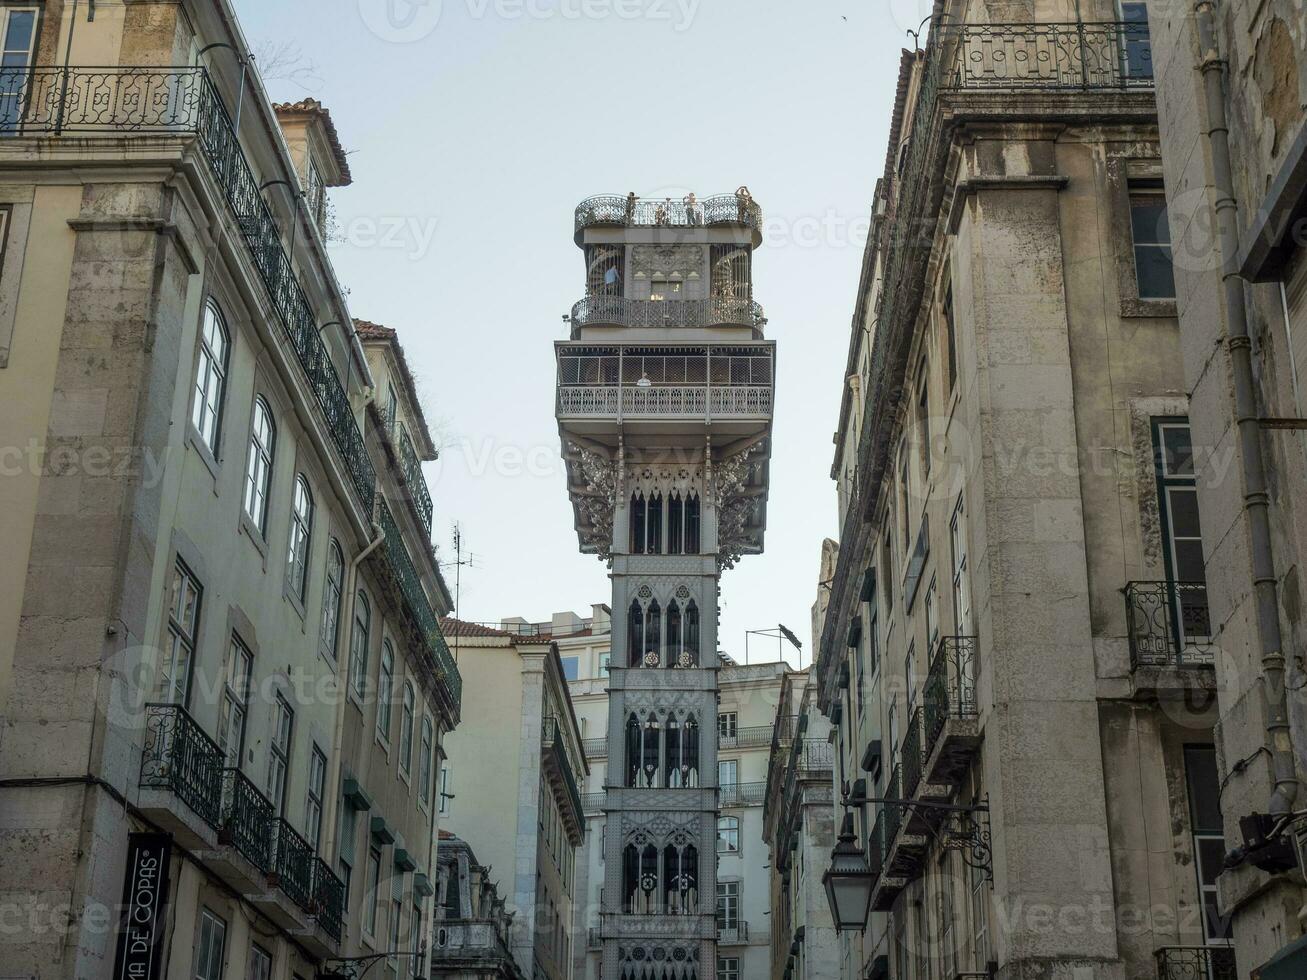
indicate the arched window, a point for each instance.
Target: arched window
{"x":331,"y":599}
{"x":301,"y":537}
{"x":690,"y":644}
{"x":675,"y":525}
{"x":728,"y":835}
{"x":681,"y":878}
{"x":258,"y":470}
{"x":635,"y":635}
{"x":211,"y":375}
{"x":358,"y":647}
{"x":643,"y":754}
{"x":640,"y":879}
{"x":673,"y":641}
{"x":653,"y":621}
{"x":406,"y":728}
{"x":385,"y":690}
{"x":637,"y":522}
{"x":692,"y":525}
{"x":654,"y":520}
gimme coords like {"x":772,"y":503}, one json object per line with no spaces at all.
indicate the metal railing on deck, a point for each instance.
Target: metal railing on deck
{"x":1084,"y":55}
{"x":552,"y":741}
{"x":876,"y":844}
{"x":813,"y":755}
{"x":622,"y":311}
{"x":913,"y":753}
{"x":247,"y":817}
{"x":613,"y":209}
{"x":743,"y":794}
{"x":411,"y":467}
{"x":893,"y":814}
{"x":1169,"y":624}
{"x":593,"y":802}
{"x":180,"y":757}
{"x":418,"y":603}
{"x":292,"y":864}
{"x":328,"y":899}
{"x":736,"y":935}
{"x":1196,"y":963}
{"x":950,"y":690}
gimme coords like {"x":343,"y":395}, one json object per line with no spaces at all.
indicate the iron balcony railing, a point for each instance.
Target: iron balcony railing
{"x":714,"y":311}
{"x":247,"y":817}
{"x":415,"y":597}
{"x":813,"y":756}
{"x":1196,"y":963}
{"x":893,"y":813}
{"x":553,"y":742}
{"x":1169,"y":625}
{"x":736,"y":935}
{"x":593,"y":802}
{"x":913,"y":753}
{"x":950,"y":691}
{"x":751,"y":736}
{"x":182,"y":101}
{"x":292,"y":864}
{"x":876,"y":845}
{"x":743,"y":794}
{"x":1098,"y":55}
{"x":418,"y":491}
{"x":180,"y":757}
{"x":720,"y":209}
{"x":697,"y":401}
{"x":328,"y":899}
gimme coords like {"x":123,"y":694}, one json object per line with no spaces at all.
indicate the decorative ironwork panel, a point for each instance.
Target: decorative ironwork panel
{"x":143,"y":99}
{"x":913,"y":753}
{"x":1109,"y":55}
{"x":180,"y":757}
{"x":1169,"y":624}
{"x":418,"y":491}
{"x":950,"y":690}
{"x":328,"y":899}
{"x":613,"y":209}
{"x":714,"y":311}
{"x":1196,"y":963}
{"x":247,"y":817}
{"x":292,"y":864}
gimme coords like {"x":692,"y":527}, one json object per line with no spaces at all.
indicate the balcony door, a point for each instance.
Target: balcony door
{"x":18,"y":37}
{"x":1136,"y":45}
{"x":1182,"y":540}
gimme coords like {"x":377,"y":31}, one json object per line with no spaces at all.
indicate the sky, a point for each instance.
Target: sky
{"x":474,"y":127}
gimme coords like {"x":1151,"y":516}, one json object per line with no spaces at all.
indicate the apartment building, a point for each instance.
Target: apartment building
{"x":1017,"y":654}
{"x":511,"y":788}
{"x":223,"y":687}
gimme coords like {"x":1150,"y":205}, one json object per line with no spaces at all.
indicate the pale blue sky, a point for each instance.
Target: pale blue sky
{"x":476,"y":134}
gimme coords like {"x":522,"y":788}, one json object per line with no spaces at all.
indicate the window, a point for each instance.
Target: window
{"x":313,"y":798}
{"x":728,"y":968}
{"x":1186,"y":571}
{"x":18,"y":27}
{"x":728,"y":905}
{"x":373,"y":893}
{"x":260,"y":966}
{"x":923,"y":424}
{"x":1202,"y":781}
{"x":961,"y":585}
{"x":396,"y":911}
{"x":392,"y":407}
{"x":728,"y":835}
{"x":571,"y":667}
{"x":210,"y":376}
{"x":910,"y":677}
{"x":950,"y":333}
{"x":349,"y":823}
{"x":726,"y":724}
{"x":728,"y":772}
{"x":258,"y":472}
{"x":331,"y":599}
{"x":605,"y":661}
{"x":1154,"y":272}
{"x":235,"y":699}
{"x":931,"y":604}
{"x":425,"y":759}
{"x":316,"y":196}
{"x":445,"y":795}
{"x":279,"y":753}
{"x":209,"y":946}
{"x":1136,"y":46}
{"x":358,"y":646}
{"x":406,"y":729}
{"x":415,"y":932}
{"x":385,"y":690}
{"x":183,"y":621}
{"x":664,"y":289}
{"x":301,"y":537}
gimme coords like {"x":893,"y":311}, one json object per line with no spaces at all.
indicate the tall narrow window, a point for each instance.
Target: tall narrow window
{"x":673,"y":642}
{"x":692,"y":525}
{"x":373,"y":894}
{"x":1154,"y":272}
{"x":675,"y":525}
{"x":385,"y":690}
{"x":635,"y":634}
{"x":923,"y":424}
{"x":728,"y":905}
{"x":653,"y":620}
{"x":728,"y":835}
{"x":950,"y":333}
{"x":210,"y":946}
{"x":235,"y":697}
{"x":210,"y":374}
{"x":331,"y":594}
{"x":692,"y":633}
{"x":183,"y":624}
{"x":426,"y":755}
{"x":406,"y":728}
{"x":637,"y":521}
{"x":260,"y":965}
{"x":654,"y":521}
{"x":1203,"y":782}
{"x":1136,"y":45}
{"x":283,"y":723}
{"x":301,"y":538}
{"x":1186,"y":572}
{"x":258,"y":472}
{"x":317,"y":788}
{"x":358,"y":652}
{"x":18,"y":32}
{"x":442,"y":791}
{"x":957,"y":530}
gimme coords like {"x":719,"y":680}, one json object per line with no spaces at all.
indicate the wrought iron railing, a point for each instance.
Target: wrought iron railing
{"x":813,"y":755}
{"x":666,"y":400}
{"x":743,"y":794}
{"x":292,"y":864}
{"x":721,"y":209}
{"x":950,"y":690}
{"x":1099,"y":55}
{"x":409,"y":464}
{"x":876,"y":844}
{"x":713,"y":311}
{"x":553,"y":742}
{"x":1196,"y":963}
{"x":736,"y":935}
{"x":180,"y":757}
{"x":913,"y":753}
{"x":415,"y":597}
{"x":751,"y":736}
{"x":247,"y":817}
{"x":893,"y":812}
{"x":328,"y":899}
{"x":593,"y":802}
{"x":93,"y":99}
{"x":1169,"y":624}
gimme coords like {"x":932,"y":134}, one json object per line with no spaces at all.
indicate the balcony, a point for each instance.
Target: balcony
{"x":1169,"y":625}
{"x":245,"y":832}
{"x":1196,"y":963}
{"x":419,"y":608}
{"x":750,"y":737}
{"x":182,"y":102}
{"x":813,"y":758}
{"x":950,"y":720}
{"x":180,"y":763}
{"x":1075,"y":56}
{"x":328,"y":900}
{"x":743,"y":794}
{"x":593,"y":802}
{"x":419,"y":494}
{"x":558,"y":768}
{"x":736,"y":935}
{"x":616,"y":211}
{"x":715,"y":311}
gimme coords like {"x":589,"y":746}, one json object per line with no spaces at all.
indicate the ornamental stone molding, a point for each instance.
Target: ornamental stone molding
{"x":599,"y":476}
{"x":667,"y":261}
{"x":668,"y":479}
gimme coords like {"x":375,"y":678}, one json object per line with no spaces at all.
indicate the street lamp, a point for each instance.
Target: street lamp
{"x":848,"y":881}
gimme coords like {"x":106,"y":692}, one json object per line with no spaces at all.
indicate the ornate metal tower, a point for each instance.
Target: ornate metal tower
{"x":664,"y":408}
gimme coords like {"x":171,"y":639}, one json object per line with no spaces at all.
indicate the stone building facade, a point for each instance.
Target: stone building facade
{"x":1017,"y":653}
{"x":471,"y":937}
{"x":512,"y":790}
{"x":223,"y":688}
{"x":1231,"y":91}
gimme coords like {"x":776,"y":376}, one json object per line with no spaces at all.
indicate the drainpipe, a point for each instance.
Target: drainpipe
{"x":342,"y":683}
{"x":1256,"y":500}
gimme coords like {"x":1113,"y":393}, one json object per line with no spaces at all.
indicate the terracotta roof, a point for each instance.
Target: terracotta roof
{"x":367,"y":330}
{"x":457,"y":627}
{"x":373,"y":331}
{"x":312,"y":107}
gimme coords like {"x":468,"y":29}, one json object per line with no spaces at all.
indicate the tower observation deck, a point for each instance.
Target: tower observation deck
{"x":664,"y":406}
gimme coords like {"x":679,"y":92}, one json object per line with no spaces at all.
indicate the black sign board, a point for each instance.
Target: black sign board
{"x":145,"y":902}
